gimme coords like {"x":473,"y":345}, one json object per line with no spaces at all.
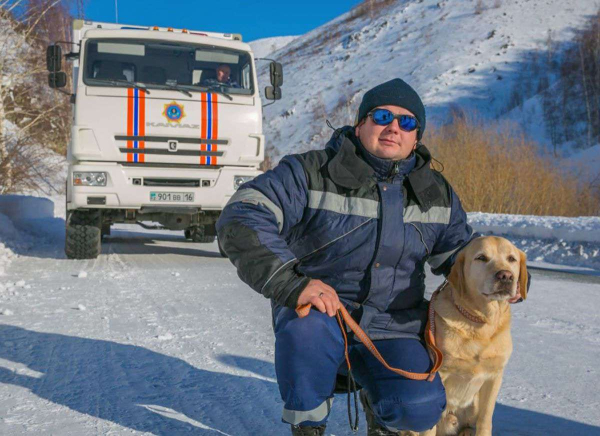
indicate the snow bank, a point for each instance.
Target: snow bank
{"x":26,"y":222}
{"x":33,"y":215}
{"x":24,"y":207}
{"x":6,"y":254}
{"x":552,"y":240}
{"x":582,"y":229}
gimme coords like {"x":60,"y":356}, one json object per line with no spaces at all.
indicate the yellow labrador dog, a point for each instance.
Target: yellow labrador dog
{"x":472,"y":329}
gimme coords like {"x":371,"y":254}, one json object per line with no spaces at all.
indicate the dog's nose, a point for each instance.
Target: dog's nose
{"x":504,"y":276}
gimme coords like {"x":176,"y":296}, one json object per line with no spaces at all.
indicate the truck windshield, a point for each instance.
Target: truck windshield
{"x":167,"y":65}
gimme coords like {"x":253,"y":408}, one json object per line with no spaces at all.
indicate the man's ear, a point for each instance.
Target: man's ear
{"x":457,"y":274}
{"x":523,"y":275}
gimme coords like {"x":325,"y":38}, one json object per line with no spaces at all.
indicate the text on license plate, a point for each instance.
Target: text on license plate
{"x":181,"y":197}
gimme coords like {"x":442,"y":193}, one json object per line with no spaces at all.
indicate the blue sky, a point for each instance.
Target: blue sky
{"x":253,"y":19}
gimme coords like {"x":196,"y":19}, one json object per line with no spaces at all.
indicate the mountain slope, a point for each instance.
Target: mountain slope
{"x":265,"y":46}
{"x":453,"y":53}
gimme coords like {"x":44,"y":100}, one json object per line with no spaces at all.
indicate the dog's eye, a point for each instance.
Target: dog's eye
{"x":512,"y":259}
{"x":482,"y":258}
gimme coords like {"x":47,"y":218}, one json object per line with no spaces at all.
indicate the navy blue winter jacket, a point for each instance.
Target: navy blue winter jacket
{"x":363,"y":225}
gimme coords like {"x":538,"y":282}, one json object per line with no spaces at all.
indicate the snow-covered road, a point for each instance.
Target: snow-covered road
{"x":159,"y":336}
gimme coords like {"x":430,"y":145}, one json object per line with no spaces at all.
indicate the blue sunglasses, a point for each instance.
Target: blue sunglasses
{"x":383,"y":117}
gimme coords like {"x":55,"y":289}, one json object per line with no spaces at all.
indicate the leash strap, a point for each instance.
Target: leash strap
{"x":435,"y":353}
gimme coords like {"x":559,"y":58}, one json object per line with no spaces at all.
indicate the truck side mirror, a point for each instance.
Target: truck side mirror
{"x":276,"y":74}
{"x":57,"y":80}
{"x":54,"y":58}
{"x":273,"y":93}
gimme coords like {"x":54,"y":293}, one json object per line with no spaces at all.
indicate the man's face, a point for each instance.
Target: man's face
{"x":387,"y":142}
{"x":223,"y":73}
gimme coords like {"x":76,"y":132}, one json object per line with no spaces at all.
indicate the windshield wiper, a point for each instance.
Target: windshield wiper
{"x":177,"y":88}
{"x":117,"y":82}
{"x":218,"y":89}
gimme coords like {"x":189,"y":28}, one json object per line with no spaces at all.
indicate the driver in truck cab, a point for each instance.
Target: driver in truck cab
{"x":222,"y":77}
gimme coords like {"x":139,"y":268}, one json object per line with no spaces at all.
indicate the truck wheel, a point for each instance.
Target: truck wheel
{"x":205,"y":239}
{"x":83,"y":238}
{"x":196,"y":234}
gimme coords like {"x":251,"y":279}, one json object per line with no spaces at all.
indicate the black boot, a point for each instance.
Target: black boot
{"x":373,"y":427}
{"x":308,"y":431}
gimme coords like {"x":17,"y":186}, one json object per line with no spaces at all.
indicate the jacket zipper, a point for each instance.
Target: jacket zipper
{"x":394,"y":171}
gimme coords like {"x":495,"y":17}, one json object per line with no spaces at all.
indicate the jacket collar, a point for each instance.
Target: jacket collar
{"x":385,"y":169}
{"x":349,"y":168}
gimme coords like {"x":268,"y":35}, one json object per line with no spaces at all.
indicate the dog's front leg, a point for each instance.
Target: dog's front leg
{"x":487,"y":401}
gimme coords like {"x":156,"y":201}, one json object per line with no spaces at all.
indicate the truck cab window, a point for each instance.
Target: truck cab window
{"x":158,"y":64}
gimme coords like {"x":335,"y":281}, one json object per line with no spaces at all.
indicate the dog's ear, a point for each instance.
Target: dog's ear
{"x":523,"y":275}
{"x":457,"y":274}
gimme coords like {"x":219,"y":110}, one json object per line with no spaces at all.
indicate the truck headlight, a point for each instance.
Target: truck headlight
{"x":240,"y":180}
{"x":89,"y":179}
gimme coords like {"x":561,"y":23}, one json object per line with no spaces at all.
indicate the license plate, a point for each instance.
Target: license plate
{"x":174,"y":197}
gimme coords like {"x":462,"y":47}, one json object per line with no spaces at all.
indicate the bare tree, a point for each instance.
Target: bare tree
{"x":31,"y":115}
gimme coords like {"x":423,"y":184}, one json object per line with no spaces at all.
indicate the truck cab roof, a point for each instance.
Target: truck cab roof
{"x":95,"y":29}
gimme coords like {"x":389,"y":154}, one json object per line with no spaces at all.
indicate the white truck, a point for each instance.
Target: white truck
{"x":167,"y":125}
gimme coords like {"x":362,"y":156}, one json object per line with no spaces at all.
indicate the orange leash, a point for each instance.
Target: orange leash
{"x":436,"y":354}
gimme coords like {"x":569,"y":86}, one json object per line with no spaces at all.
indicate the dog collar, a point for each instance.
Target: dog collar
{"x":465,"y":312}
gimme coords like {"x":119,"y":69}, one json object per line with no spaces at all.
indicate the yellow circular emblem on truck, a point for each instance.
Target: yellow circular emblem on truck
{"x":173,"y":112}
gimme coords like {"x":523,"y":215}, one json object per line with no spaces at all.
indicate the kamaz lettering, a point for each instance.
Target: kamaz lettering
{"x":179,"y":126}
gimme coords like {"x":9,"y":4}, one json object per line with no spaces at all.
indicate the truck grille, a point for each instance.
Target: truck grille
{"x":186,"y":183}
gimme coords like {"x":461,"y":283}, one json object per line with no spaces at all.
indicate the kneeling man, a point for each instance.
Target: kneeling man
{"x":351,"y":224}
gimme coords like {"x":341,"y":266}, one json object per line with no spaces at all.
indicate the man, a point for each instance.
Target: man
{"x":352,"y":224}
{"x":222,"y":78}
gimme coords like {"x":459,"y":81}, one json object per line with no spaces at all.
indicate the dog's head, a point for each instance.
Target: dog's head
{"x":491,"y":267}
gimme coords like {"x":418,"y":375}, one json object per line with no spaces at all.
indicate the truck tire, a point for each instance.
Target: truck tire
{"x":83,"y":236}
{"x":204,"y":239}
{"x":196,"y":234}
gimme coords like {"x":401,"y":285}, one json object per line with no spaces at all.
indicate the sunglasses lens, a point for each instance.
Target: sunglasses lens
{"x":382,"y":117}
{"x":408,"y":123}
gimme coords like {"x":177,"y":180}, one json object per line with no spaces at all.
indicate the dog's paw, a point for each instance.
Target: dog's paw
{"x":468,"y":431}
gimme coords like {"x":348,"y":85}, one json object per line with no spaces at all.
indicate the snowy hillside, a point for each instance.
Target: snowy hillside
{"x":451,"y":52}
{"x":265,"y":46}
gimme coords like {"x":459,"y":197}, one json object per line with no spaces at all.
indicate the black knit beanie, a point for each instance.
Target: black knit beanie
{"x":395,"y":92}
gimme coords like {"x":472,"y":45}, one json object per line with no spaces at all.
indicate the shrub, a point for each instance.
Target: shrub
{"x":372,"y":8}
{"x":493,"y":170}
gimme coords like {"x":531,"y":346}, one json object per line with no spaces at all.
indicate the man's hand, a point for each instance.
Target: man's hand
{"x":321,"y":296}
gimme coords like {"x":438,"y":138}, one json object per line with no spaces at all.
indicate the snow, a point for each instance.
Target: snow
{"x":573,"y":242}
{"x":161,"y":337}
{"x":265,"y":46}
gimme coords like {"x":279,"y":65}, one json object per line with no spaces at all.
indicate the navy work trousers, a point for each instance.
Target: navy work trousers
{"x":309,"y":352}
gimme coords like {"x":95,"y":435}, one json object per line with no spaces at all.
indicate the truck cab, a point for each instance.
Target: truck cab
{"x":167,"y":125}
